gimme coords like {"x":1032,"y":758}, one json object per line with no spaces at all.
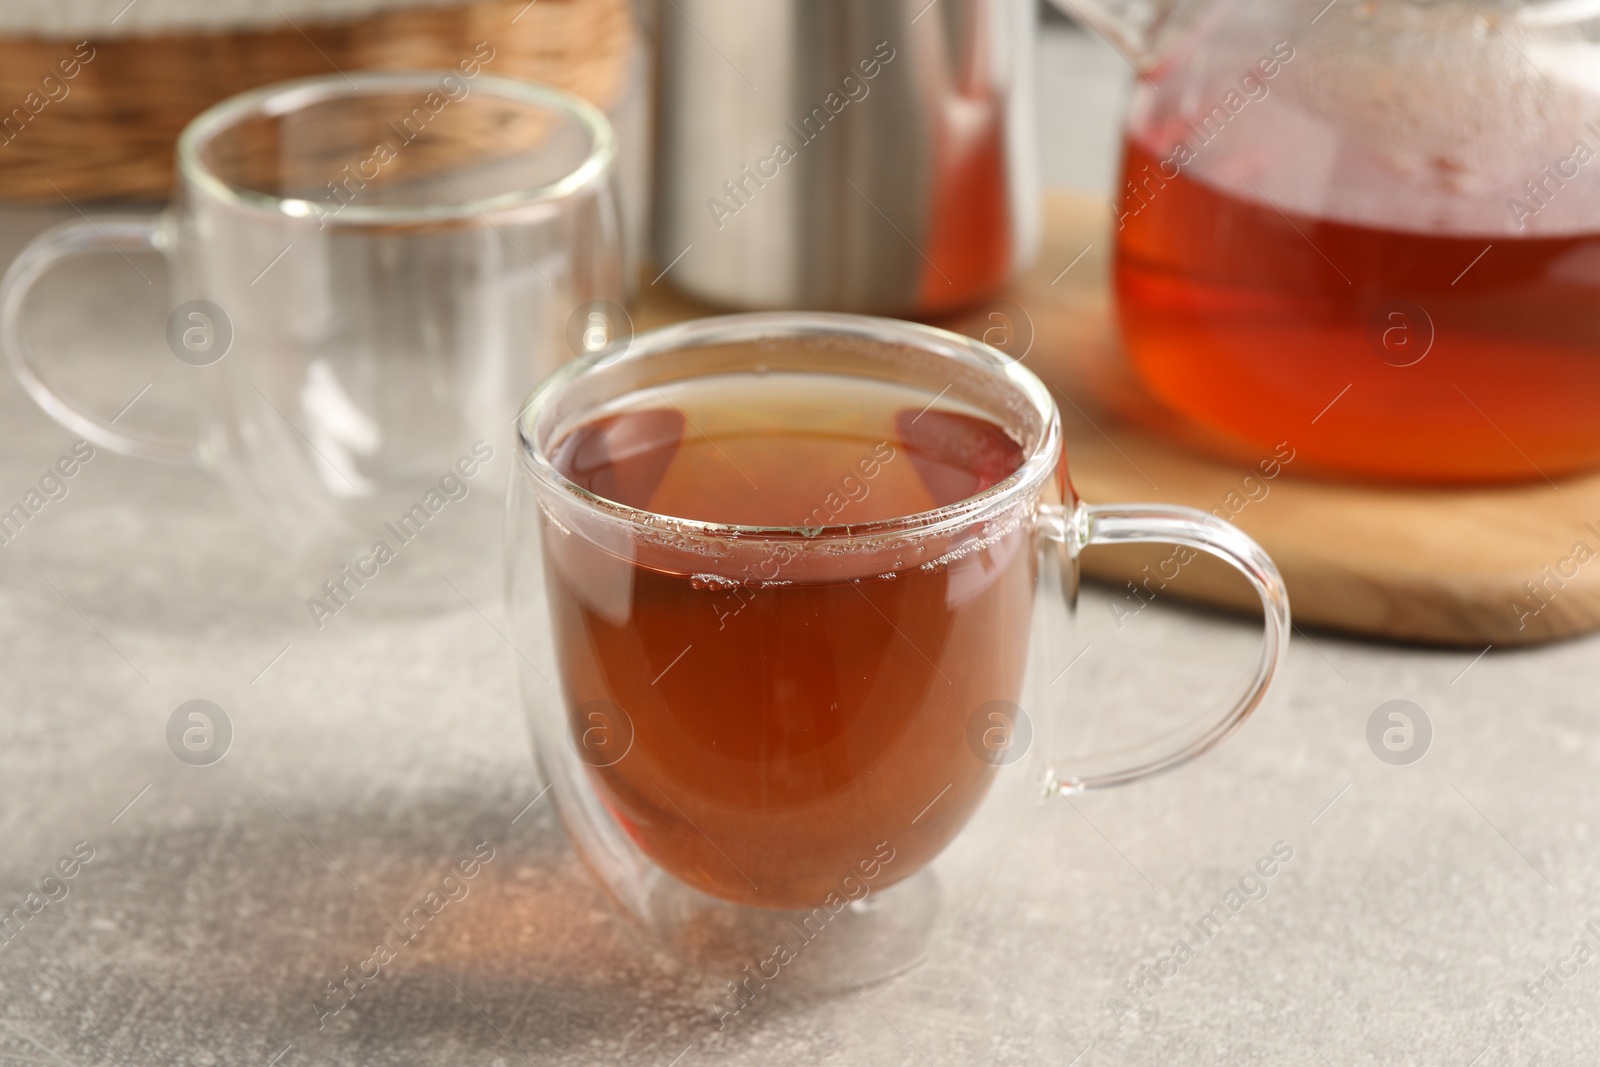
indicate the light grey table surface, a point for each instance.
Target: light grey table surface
{"x":370,"y":756}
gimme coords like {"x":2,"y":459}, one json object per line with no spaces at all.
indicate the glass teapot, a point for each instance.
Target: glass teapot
{"x":1370,"y":228}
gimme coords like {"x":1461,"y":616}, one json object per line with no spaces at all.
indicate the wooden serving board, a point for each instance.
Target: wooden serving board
{"x":1433,"y":566}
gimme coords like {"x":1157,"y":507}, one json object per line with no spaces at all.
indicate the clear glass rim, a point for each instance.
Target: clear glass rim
{"x":285,"y":97}
{"x":1036,"y":468}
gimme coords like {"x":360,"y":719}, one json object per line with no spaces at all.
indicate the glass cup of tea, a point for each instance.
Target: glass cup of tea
{"x":789,"y":591}
{"x":368,"y":272}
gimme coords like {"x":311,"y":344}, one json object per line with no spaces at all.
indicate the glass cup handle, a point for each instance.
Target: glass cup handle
{"x":54,"y":246}
{"x":1190,"y":528}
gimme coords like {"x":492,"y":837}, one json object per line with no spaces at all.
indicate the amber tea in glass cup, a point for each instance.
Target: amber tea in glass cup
{"x":790,"y":589}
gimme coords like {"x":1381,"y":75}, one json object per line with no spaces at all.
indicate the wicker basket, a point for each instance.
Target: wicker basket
{"x":107,"y":130}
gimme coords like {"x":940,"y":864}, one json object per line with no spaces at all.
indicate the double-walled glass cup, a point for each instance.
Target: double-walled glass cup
{"x":754,"y":832}
{"x":368,"y":273}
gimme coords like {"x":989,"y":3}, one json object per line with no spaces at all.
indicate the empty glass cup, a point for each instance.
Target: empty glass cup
{"x":368,"y":273}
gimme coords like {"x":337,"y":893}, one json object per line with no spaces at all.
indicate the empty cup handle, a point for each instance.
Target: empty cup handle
{"x":69,"y":240}
{"x":1191,"y":528}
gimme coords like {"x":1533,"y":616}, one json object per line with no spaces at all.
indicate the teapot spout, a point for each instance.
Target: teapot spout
{"x":1140,"y":29}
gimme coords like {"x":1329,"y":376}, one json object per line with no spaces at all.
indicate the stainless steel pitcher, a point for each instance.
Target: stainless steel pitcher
{"x":851,"y":155}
